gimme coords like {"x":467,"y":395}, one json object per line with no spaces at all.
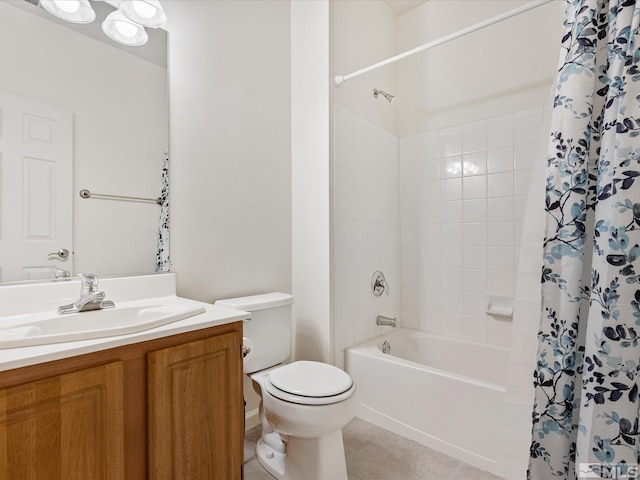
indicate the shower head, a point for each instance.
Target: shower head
{"x":390,"y":98}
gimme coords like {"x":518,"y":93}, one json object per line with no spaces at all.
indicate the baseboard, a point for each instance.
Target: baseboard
{"x":251,"y":419}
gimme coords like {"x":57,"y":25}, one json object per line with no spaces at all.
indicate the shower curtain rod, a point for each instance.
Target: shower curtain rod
{"x":340,"y":79}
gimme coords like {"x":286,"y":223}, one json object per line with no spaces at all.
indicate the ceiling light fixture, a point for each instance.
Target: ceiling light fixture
{"x":76,"y":11}
{"x":119,"y":28}
{"x":125,"y":25}
{"x":148,"y":13}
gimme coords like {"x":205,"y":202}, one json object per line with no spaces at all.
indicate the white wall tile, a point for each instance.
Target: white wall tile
{"x":409,"y":173}
{"x":450,"y":257}
{"x":367,"y":225}
{"x":428,"y":143}
{"x":474,"y":281}
{"x":527,"y":126}
{"x":409,"y":193}
{"x":525,"y":155}
{"x":522,"y":181}
{"x":451,"y":234}
{"x":431,"y":256}
{"x":451,"y":167}
{"x":451,"y":189}
{"x":501,"y":283}
{"x":451,"y":325}
{"x":430,"y":321}
{"x":451,"y":302}
{"x":451,"y":212}
{"x":475,"y":328}
{"x":500,"y":210}
{"x":431,"y":299}
{"x":519,"y":205}
{"x":500,"y":184}
{"x":446,"y":230}
{"x":500,"y":234}
{"x":473,"y":304}
{"x":501,"y":258}
{"x":474,"y":137}
{"x":431,"y":277}
{"x":474,"y":233}
{"x":450,"y":141}
{"x":474,"y":163}
{"x":475,"y":257}
{"x":430,"y":213}
{"x":474,"y":188}
{"x":430,"y":191}
{"x":451,"y":279}
{"x":500,"y":160}
{"x":429,"y":169}
{"x":500,"y":132}
{"x":474,"y":210}
{"x":430,"y":234}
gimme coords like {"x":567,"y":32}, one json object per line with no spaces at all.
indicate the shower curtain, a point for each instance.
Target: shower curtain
{"x":585,"y":416}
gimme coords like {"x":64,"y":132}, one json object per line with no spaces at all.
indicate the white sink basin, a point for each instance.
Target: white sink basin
{"x":94,"y":324}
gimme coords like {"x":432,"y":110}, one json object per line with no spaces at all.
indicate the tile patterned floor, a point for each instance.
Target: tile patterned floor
{"x":376,"y":454}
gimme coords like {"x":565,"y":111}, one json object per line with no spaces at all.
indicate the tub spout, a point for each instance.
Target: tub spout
{"x":388,"y":321}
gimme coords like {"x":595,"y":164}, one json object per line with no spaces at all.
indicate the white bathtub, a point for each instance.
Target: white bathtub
{"x":444,"y":393}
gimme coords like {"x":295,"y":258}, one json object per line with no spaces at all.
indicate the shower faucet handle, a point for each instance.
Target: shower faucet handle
{"x":379,"y":284}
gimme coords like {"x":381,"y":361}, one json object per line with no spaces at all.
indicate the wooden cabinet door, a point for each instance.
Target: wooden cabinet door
{"x":65,"y":427}
{"x":196,"y":410}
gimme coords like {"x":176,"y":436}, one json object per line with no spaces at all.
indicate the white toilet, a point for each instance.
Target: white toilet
{"x":304,"y":404}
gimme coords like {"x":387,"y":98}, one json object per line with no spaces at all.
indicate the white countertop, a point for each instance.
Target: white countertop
{"x":214,"y":315}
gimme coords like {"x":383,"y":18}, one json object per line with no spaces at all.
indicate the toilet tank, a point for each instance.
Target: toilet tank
{"x":268,"y":332}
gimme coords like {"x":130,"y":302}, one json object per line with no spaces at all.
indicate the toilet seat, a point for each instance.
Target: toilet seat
{"x":309,"y":383}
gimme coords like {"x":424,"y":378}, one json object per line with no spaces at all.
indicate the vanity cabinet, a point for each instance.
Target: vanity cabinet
{"x":164,"y":409}
{"x":193,"y":410}
{"x":68,"y":426}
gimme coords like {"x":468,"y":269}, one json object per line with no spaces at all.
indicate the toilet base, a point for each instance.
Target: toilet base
{"x":306,"y":458}
{"x":272,"y":461}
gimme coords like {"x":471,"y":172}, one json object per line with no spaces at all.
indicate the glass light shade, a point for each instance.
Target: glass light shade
{"x":148,"y":13}
{"x":76,"y":11}
{"x":119,"y":28}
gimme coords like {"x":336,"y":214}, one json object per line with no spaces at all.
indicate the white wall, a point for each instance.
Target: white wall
{"x":230,"y":139}
{"x":363,"y":32}
{"x":120,"y":132}
{"x":230,"y":147}
{"x":366,"y":228}
{"x":504,"y":68}
{"x":311,"y":248}
{"x":366,"y":211}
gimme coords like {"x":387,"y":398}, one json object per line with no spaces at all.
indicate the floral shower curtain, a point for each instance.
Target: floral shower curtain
{"x":585,"y":418}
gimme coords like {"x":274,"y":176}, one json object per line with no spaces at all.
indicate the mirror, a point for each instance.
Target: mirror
{"x":78,"y":111}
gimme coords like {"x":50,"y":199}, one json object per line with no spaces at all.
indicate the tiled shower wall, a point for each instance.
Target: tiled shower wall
{"x":463,"y":194}
{"x":440,"y":213}
{"x":366,"y":227}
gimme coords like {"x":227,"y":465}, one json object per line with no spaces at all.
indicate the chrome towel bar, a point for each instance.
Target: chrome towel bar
{"x":84,"y":193}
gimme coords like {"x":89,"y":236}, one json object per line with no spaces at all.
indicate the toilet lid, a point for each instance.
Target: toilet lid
{"x":310,"y":379}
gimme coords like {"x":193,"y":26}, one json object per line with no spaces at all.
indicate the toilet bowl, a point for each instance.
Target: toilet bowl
{"x":304,"y":407}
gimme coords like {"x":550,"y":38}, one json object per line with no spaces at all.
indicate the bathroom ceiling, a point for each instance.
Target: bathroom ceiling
{"x":401,"y":6}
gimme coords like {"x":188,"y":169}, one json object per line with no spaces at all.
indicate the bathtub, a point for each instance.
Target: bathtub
{"x":442,"y":392}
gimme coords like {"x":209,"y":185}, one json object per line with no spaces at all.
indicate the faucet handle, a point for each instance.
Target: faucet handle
{"x":88,"y":283}
{"x":379,"y":284}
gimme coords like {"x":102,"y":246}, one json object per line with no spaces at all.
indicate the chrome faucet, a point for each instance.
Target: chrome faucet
{"x":90,"y":297}
{"x":387,"y":321}
{"x":60,"y":273}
